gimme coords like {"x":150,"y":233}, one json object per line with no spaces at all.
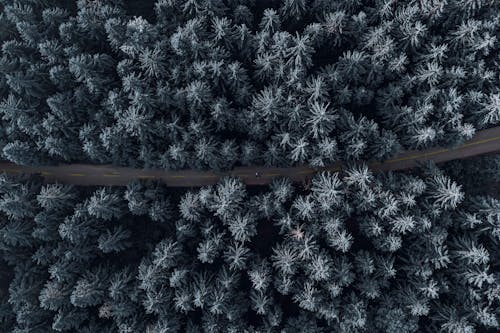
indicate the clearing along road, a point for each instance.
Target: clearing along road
{"x":484,"y":142}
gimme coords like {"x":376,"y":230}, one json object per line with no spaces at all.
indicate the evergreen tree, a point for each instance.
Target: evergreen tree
{"x":105,"y":204}
{"x":56,"y":197}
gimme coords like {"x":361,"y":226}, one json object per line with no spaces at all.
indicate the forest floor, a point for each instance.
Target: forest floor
{"x":484,"y":142}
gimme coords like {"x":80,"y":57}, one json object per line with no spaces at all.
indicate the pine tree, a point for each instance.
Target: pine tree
{"x":56,"y":197}
{"x":105,"y":204}
{"x":326,"y":189}
{"x":236,"y":255}
{"x":228,"y":199}
{"x":22,"y":153}
{"x":115,"y":240}
{"x":447,"y":194}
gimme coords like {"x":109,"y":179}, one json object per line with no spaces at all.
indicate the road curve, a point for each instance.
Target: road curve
{"x":484,"y":142}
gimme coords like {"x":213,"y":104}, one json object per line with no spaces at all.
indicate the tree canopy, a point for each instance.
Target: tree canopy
{"x":212,"y":84}
{"x":396,"y":252}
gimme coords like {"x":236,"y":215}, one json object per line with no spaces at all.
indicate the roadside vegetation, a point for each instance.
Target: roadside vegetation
{"x":213,"y":84}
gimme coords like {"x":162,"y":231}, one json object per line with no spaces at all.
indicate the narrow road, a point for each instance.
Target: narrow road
{"x":484,"y":142}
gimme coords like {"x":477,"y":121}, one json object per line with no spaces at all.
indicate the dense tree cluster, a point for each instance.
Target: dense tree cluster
{"x":357,"y":252}
{"x":210,"y":84}
{"x":214,"y":83}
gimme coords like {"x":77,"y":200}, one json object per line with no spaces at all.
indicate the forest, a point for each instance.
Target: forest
{"x":358,"y":252}
{"x":210,"y":84}
{"x":215,"y":84}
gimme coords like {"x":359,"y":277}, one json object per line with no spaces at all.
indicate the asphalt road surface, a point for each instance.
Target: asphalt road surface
{"x":484,"y":142}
